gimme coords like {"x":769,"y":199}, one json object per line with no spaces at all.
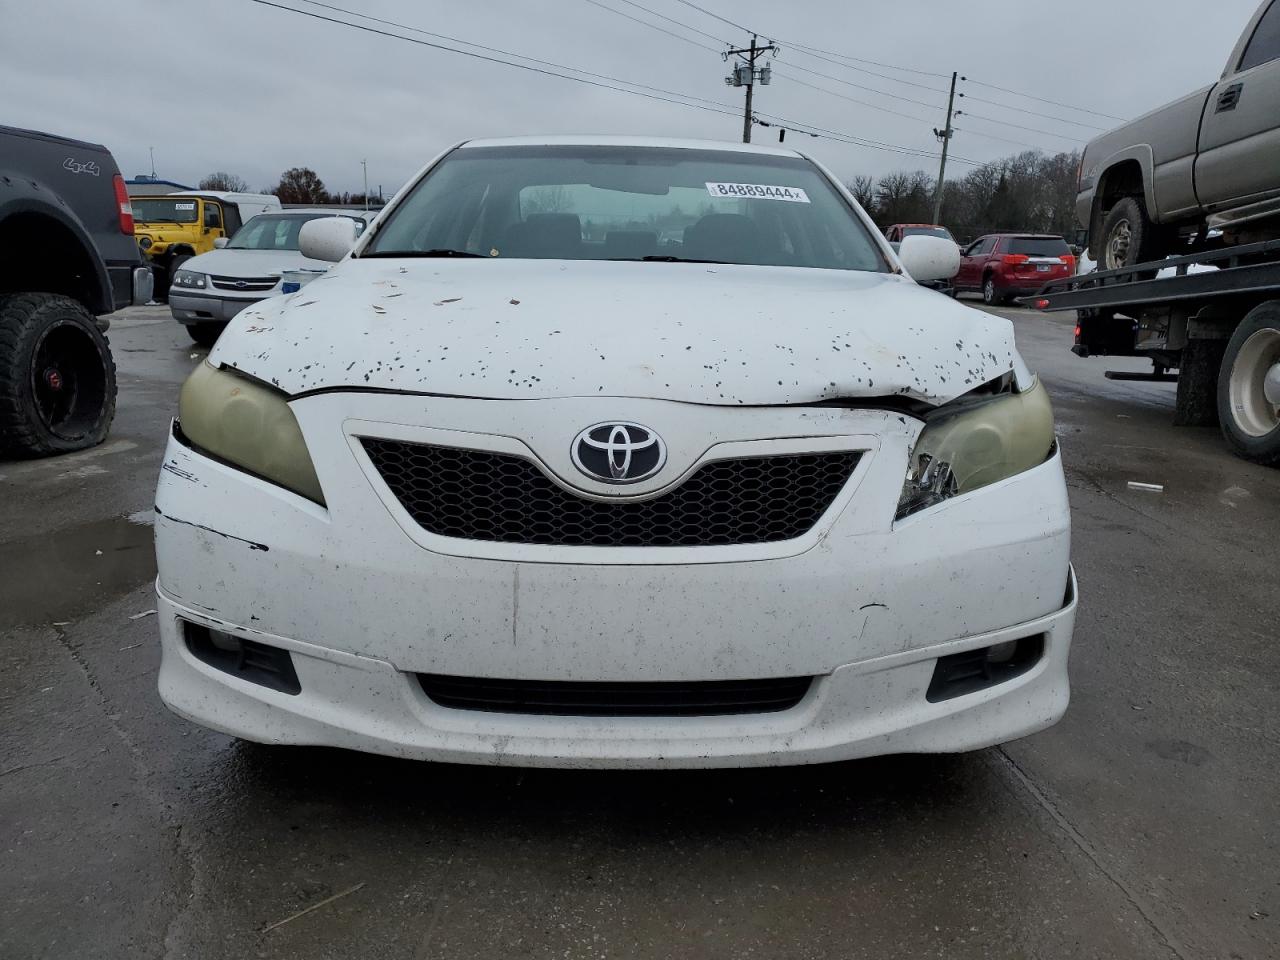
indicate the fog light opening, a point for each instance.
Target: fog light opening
{"x":959,"y":674}
{"x":1002,"y":652}
{"x":248,"y":660}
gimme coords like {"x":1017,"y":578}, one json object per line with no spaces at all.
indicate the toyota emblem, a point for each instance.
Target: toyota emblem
{"x":619,"y":452}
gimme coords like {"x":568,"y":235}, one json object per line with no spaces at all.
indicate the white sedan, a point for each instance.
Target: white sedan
{"x":616,"y":452}
{"x":213,"y":287}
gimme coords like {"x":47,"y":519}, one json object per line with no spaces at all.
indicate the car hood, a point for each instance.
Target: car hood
{"x":536,"y":329}
{"x":251,"y":263}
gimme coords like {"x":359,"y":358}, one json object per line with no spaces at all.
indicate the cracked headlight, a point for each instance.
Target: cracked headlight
{"x":249,"y":426}
{"x":188,"y":280}
{"x":975,"y":444}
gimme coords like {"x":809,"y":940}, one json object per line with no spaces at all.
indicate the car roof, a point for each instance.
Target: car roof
{"x":321,"y":211}
{"x":1023,"y":236}
{"x":937,"y":225}
{"x":610,"y":141}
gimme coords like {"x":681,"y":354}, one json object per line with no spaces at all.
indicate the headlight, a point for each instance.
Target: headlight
{"x":249,"y":426}
{"x":977,"y":444}
{"x":189,"y":279}
{"x":144,"y":243}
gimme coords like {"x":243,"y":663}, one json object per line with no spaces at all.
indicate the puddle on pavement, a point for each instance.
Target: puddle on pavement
{"x":64,"y":574}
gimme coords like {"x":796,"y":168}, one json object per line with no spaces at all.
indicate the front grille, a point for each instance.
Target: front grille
{"x":704,"y":698}
{"x":245,"y":284}
{"x":480,"y":495}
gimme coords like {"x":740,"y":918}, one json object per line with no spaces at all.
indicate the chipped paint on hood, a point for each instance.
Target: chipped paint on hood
{"x":698,"y":333}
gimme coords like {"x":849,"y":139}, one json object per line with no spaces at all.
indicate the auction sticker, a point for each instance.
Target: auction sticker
{"x":757,"y":191}
{"x":185,"y":206}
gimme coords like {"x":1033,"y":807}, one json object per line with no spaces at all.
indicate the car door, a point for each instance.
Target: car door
{"x":971,"y":260}
{"x":1239,"y":157}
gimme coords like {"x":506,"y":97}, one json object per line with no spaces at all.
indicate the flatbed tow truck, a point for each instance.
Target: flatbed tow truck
{"x":1218,"y":328}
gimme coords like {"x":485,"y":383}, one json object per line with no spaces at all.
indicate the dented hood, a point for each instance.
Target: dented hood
{"x":536,"y":329}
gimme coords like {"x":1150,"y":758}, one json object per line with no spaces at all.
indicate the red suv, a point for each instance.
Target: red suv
{"x":1006,"y":265}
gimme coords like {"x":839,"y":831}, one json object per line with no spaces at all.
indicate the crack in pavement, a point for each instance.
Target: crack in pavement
{"x":1078,"y":840}
{"x":185,"y":854}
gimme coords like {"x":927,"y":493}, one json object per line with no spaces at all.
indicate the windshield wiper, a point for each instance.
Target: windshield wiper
{"x":420,"y":253}
{"x":664,"y":258}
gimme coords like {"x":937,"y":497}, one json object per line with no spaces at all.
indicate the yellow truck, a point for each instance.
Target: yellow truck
{"x":174,"y":227}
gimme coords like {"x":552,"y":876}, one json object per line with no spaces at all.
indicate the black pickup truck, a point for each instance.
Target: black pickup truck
{"x":67,"y":258}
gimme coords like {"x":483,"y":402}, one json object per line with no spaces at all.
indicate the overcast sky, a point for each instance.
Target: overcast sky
{"x":235,"y":85}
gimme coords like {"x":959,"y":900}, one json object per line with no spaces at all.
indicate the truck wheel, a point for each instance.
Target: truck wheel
{"x":1249,"y":386}
{"x":206,"y":334}
{"x":57,"y":378}
{"x":1129,"y":237}
{"x":1196,"y":403}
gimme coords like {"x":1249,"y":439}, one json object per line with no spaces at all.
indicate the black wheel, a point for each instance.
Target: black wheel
{"x":206,"y":334}
{"x":1196,"y":402}
{"x":990,"y":295}
{"x":57,"y":378}
{"x":1249,"y":386}
{"x":1129,"y":237}
{"x":176,"y":264}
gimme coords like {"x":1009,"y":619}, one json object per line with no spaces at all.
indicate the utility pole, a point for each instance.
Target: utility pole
{"x":153,"y":162}
{"x":945,"y":135}
{"x":364,"y":164}
{"x":745,"y":74}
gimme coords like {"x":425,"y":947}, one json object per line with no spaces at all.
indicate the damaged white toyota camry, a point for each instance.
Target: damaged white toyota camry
{"x":616,"y":452}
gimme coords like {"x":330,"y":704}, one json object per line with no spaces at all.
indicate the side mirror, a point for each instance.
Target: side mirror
{"x":220,"y":242}
{"x":327,"y":238}
{"x":927,"y":259}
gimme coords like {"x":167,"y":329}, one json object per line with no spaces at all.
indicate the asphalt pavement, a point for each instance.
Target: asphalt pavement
{"x":1142,"y":825}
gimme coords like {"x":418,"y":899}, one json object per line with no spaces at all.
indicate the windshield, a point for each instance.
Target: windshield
{"x":276,"y":231}
{"x":629,"y":203}
{"x":942,"y":232}
{"x":163,"y":210}
{"x":1039,"y":246}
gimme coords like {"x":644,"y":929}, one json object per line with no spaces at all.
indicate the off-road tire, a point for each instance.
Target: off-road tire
{"x":70,"y":402}
{"x":206,"y":334}
{"x":1127,"y":226}
{"x":1242,"y":360}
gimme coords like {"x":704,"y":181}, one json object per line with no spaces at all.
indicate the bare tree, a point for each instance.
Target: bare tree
{"x":221,"y":180}
{"x":1028,"y":191}
{"x":863,"y":189}
{"x":301,"y":185}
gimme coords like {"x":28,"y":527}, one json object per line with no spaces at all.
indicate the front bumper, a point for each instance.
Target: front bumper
{"x":363,"y":600}
{"x":860,"y":709}
{"x":201,"y":307}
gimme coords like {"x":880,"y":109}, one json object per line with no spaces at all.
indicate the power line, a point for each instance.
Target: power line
{"x":859,"y":86}
{"x":816,"y":51}
{"x":827,"y":76}
{"x":602,"y":81}
{"x":881,"y":76}
{"x":1056,"y":103}
{"x":679,"y":23}
{"x":716,"y":16}
{"x":805,"y":48}
{"x":715,"y":107}
{"x":651,"y":26}
{"x":1006,"y":123}
{"x":1046,"y":116}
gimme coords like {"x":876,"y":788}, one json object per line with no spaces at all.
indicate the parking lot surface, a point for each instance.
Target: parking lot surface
{"x":1143,"y":825}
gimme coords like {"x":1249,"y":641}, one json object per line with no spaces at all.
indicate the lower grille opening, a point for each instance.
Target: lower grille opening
{"x":247,"y":659}
{"x":974,"y":670}
{"x":702,"y":698}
